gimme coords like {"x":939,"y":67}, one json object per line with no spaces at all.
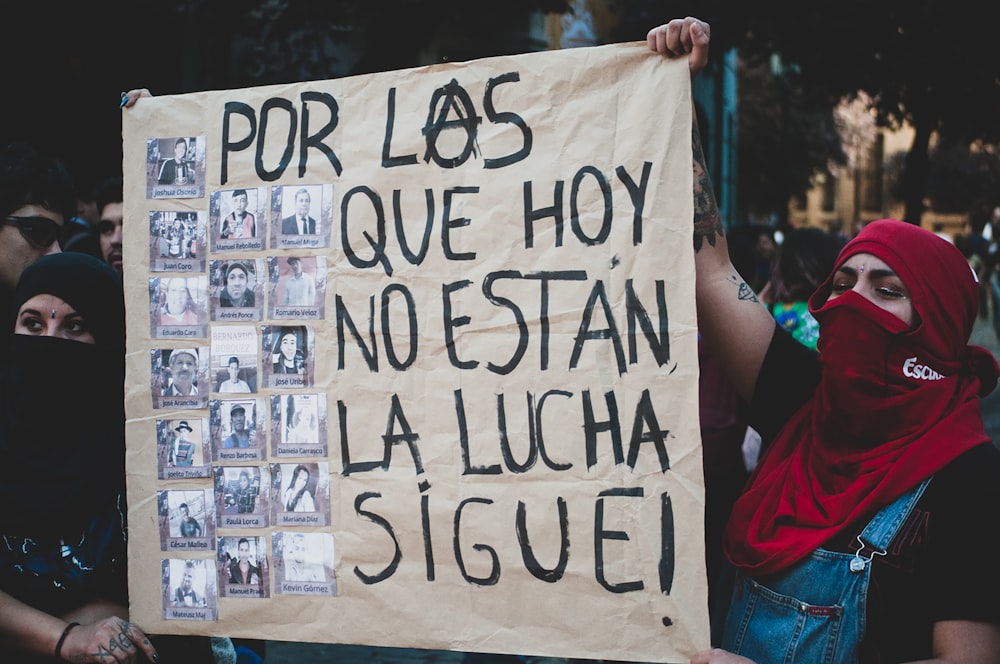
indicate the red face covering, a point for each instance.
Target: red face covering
{"x":894,"y":405}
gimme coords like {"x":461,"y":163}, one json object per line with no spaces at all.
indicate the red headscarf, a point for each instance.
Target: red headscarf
{"x":894,"y":405}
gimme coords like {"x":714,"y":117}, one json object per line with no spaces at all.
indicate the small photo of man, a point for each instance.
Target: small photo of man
{"x":239,"y":223}
{"x":239,"y":501}
{"x":298,"y":287}
{"x":288,"y":355}
{"x":300,"y":215}
{"x":190,"y":591}
{"x":233,"y":383}
{"x":236,"y":218}
{"x":179,"y":169}
{"x":185,"y":450}
{"x":175,"y":167}
{"x":237,"y":290}
{"x":234,"y":359}
{"x":241,"y":435}
{"x":186,"y":592}
{"x":243,"y":567}
{"x":178,"y":302}
{"x":304,"y":563}
{"x":300,"y":220}
{"x":183,"y":382}
{"x":179,"y":377}
{"x":182,"y":448}
{"x":238,"y":286}
{"x":185,"y":515}
{"x":237,"y":429}
{"x":188,"y":525}
{"x":176,"y":241}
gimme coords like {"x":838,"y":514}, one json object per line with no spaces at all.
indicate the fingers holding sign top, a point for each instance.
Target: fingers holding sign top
{"x":682,"y":36}
{"x":129,"y":98}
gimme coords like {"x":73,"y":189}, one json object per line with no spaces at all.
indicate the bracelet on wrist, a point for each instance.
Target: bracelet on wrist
{"x":62,"y":638}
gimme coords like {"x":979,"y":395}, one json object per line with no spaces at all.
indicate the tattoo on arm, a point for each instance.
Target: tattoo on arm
{"x":744,"y":291}
{"x":707,"y":224}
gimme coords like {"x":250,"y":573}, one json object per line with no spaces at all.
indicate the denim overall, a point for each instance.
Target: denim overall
{"x":813,"y":612}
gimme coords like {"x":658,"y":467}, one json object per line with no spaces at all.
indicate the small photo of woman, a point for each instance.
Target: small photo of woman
{"x":300,"y":494}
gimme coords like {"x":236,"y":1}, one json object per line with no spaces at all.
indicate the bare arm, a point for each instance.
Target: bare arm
{"x":730,"y":317}
{"x":965,"y":642}
{"x":103,"y":635}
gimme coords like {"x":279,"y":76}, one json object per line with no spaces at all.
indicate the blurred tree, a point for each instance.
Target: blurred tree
{"x":786,"y":134}
{"x":784,"y":141}
{"x":962,"y":178}
{"x":930,"y":63}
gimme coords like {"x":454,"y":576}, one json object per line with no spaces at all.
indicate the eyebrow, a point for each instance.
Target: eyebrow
{"x":35,"y":312}
{"x":875,"y":272}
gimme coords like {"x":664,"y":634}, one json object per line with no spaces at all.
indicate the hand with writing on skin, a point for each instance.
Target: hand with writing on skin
{"x":108,"y":640}
{"x":718,"y":656}
{"x":682,"y":36}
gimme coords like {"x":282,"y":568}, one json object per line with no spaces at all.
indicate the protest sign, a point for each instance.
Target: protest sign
{"x":436,"y":332}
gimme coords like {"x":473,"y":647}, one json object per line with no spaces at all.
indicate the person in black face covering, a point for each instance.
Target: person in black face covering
{"x":62,"y":551}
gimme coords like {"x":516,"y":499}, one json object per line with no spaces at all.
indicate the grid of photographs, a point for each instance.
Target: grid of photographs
{"x":241,"y":440}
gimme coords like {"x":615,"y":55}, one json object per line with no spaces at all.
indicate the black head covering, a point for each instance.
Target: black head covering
{"x":62,"y":426}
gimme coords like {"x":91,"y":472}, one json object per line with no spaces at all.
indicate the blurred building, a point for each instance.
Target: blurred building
{"x":861,"y":190}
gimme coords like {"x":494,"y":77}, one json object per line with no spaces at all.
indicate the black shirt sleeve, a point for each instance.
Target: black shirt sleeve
{"x":787,"y":379}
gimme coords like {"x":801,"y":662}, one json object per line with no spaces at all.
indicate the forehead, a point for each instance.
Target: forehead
{"x":35,"y":210}
{"x":113,"y":212}
{"x":46,"y":301}
{"x":867,"y":261}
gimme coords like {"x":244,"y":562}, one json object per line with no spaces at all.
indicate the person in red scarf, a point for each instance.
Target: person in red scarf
{"x":867,"y":532}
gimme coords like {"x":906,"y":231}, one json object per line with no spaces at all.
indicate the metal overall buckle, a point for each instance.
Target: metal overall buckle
{"x":859,"y":562}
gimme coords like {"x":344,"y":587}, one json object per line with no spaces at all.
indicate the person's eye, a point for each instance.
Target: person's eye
{"x":106,"y":227}
{"x":890,"y":292}
{"x":33,"y":324}
{"x":841,"y":285}
{"x":76,"y":327}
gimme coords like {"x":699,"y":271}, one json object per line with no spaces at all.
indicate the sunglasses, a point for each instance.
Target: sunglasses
{"x":39,"y":231}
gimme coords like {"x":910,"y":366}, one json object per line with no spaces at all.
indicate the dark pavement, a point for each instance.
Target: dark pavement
{"x":282,"y":652}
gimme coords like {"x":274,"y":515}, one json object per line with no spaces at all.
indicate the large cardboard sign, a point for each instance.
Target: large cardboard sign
{"x":412,"y":359}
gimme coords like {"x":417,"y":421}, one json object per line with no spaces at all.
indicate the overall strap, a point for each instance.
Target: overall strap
{"x":880,"y":531}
